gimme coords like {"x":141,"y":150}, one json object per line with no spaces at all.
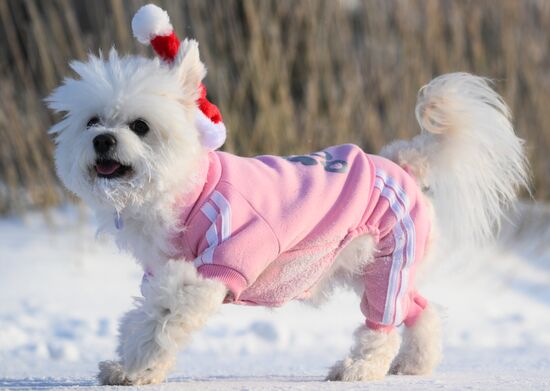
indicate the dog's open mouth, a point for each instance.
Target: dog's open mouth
{"x":108,"y":168}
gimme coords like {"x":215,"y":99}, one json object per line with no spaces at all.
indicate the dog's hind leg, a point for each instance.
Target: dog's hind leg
{"x":370,"y":357}
{"x":176,"y":302}
{"x":421,"y":348}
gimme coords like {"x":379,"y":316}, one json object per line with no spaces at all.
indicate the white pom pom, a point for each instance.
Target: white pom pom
{"x":150,"y":21}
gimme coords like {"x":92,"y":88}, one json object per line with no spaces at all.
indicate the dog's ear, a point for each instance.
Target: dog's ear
{"x":189,"y":68}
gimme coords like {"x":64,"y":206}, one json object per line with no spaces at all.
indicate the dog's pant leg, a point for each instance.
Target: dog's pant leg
{"x":421,"y":348}
{"x":370,"y":357}
{"x":388,"y":300}
{"x":377,"y":342}
{"x":176,"y":303}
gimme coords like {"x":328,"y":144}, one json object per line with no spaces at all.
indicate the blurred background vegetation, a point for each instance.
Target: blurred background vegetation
{"x":288,"y":75}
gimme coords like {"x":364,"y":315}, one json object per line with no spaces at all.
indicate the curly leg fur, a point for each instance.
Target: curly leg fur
{"x":370,"y":358}
{"x":420,"y":352}
{"x":176,"y":302}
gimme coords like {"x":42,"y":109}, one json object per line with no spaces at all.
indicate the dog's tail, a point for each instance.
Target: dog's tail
{"x":467,"y":157}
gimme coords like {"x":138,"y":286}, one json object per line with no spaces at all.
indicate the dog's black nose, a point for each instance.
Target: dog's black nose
{"x":104,"y":143}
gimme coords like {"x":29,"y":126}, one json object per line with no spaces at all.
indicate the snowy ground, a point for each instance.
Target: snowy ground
{"x":62,"y":291}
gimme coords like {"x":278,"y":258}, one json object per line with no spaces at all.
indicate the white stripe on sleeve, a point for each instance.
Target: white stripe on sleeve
{"x":209,"y":212}
{"x":225,"y":210}
{"x":404,"y":248}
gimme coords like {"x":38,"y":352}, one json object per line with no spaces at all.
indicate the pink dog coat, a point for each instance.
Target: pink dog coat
{"x":270,"y":227}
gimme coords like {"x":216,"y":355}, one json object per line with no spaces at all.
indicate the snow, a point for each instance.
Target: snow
{"x":62,"y":290}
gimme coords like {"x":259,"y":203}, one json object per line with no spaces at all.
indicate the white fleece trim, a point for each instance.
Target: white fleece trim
{"x":212,"y":135}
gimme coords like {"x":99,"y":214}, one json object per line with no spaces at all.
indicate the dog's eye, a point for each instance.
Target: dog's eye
{"x":92,"y":122}
{"x":139,"y":127}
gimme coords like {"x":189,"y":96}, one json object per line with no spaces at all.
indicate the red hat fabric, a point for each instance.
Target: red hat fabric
{"x":166,"y":46}
{"x":151,"y":25}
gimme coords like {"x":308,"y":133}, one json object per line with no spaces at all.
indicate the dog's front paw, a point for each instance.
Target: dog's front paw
{"x":358,"y":370}
{"x":112,"y":373}
{"x":336,"y":371}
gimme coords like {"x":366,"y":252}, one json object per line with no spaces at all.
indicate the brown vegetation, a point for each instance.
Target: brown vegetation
{"x":288,"y":75}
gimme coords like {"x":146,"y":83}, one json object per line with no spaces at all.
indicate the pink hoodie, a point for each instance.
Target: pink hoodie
{"x":269,"y":227}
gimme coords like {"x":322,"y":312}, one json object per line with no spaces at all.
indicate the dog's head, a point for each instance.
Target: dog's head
{"x":129,"y":130}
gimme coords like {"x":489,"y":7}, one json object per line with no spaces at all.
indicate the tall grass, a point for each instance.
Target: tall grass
{"x":288,"y":75}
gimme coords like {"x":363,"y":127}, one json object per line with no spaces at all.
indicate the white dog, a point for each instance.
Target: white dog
{"x":136,"y":145}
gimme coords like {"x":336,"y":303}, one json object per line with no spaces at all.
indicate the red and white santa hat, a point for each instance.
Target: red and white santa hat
{"x":151,"y":25}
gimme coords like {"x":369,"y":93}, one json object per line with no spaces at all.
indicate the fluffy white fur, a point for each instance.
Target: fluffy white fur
{"x":420,"y":351}
{"x":118,"y":90}
{"x":346,"y":270}
{"x":175,"y":303}
{"x":467,"y":159}
{"x":370,"y":357}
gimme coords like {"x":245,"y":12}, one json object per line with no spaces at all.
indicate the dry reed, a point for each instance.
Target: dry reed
{"x":289,"y":76}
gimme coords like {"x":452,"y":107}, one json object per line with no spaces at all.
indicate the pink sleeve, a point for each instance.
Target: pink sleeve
{"x":238,"y":244}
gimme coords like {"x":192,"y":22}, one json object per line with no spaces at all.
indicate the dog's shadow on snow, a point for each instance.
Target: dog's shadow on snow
{"x":49,"y":383}
{"x":44,"y":383}
{"x":262,"y":378}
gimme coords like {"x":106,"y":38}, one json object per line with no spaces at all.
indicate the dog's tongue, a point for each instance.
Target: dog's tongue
{"x":107,"y":168}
